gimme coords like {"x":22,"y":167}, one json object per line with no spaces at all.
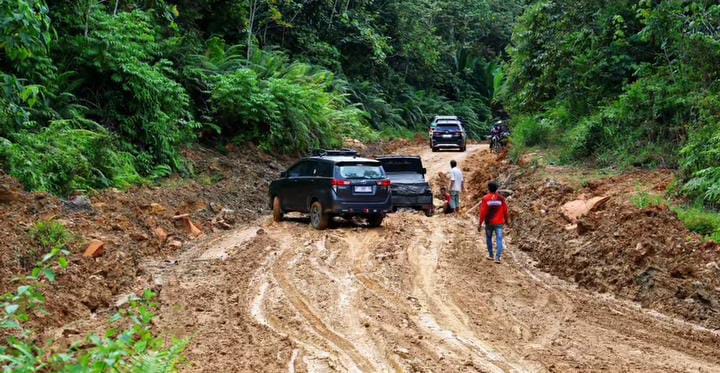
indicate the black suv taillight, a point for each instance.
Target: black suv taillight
{"x":339,"y":184}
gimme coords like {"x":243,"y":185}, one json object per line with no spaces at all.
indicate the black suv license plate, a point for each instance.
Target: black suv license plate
{"x":363,"y":189}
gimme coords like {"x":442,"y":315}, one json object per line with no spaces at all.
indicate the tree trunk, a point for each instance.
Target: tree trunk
{"x":253,"y":10}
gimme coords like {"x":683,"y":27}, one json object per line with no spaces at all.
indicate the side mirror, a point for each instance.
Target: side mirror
{"x":424,"y":171}
{"x":283,"y":174}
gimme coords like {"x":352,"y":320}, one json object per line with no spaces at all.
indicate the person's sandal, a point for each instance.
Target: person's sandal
{"x":497,"y":261}
{"x":489,"y":257}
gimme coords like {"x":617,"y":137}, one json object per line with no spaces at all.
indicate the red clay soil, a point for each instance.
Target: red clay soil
{"x":226,"y":190}
{"x":645,"y":255}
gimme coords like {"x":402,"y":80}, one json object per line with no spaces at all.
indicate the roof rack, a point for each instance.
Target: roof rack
{"x":334,"y":152}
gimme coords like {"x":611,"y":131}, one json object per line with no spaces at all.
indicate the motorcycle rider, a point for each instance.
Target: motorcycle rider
{"x":500,"y":132}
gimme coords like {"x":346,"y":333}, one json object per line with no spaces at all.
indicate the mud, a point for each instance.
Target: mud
{"x":417,"y":294}
{"x":643,"y":255}
{"x":125,"y":221}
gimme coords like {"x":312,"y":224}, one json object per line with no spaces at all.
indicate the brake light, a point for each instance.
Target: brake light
{"x":384,"y":183}
{"x":339,"y":183}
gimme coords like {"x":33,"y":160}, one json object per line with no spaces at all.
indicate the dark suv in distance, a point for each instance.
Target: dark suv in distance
{"x":448,"y":134}
{"x":333,"y":183}
{"x":410,"y":190}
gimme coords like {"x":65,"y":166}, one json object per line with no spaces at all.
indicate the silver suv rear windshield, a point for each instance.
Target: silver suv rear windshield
{"x":361,"y":171}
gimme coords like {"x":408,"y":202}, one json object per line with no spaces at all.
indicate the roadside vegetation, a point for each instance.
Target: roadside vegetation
{"x":129,"y":346}
{"x":622,"y":84}
{"x":100,"y":94}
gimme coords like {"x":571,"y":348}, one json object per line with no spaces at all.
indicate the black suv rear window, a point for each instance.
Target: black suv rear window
{"x":448,"y":126}
{"x":401,"y":165}
{"x":361,"y":171}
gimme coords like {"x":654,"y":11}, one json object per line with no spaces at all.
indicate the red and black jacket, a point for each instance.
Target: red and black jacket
{"x":494,"y":210}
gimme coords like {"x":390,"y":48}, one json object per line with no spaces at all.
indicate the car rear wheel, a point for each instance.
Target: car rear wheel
{"x":318,"y":218}
{"x":463,"y":148}
{"x":434,"y":149}
{"x":375,"y":221}
{"x":277,"y":210}
{"x":429,"y":212}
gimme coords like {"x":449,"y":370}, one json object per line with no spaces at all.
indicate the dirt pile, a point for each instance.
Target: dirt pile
{"x":439,"y":181}
{"x":646,"y":255}
{"x":391,"y":147}
{"x":142,"y":223}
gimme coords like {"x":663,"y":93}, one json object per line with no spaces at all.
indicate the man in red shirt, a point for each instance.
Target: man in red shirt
{"x":494,"y":214}
{"x":447,"y":201}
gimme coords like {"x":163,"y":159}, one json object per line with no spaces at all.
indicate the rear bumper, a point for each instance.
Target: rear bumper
{"x":360,"y":208}
{"x":440,"y":142}
{"x":418,"y":202}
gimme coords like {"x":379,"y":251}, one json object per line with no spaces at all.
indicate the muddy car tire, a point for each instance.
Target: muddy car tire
{"x":434,"y":149}
{"x":375,"y":221}
{"x":463,"y":148}
{"x":277,"y":210}
{"x":318,"y":218}
{"x":429,"y":212}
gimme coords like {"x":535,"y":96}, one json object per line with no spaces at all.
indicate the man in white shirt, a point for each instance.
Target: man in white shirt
{"x":457,"y":186}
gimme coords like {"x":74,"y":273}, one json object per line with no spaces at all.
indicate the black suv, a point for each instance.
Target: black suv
{"x":448,"y":134}
{"x":409,"y":187}
{"x":333,"y":183}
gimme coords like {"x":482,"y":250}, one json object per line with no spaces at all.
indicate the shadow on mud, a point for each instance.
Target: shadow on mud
{"x":335,"y":223}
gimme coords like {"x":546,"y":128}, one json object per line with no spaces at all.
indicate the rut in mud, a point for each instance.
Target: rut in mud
{"x":414,"y":295}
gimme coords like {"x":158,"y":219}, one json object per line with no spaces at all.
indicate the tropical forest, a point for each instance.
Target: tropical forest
{"x":145,"y":145}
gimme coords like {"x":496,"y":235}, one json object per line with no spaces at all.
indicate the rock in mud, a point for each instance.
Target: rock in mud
{"x":584,"y":226}
{"x":137,"y":236}
{"x":403,"y":352}
{"x":216,"y":207}
{"x":7,"y":195}
{"x":574,"y":210}
{"x":125,"y":299}
{"x":95,"y":249}
{"x":161,"y":235}
{"x":190,"y":228}
{"x":79,"y":203}
{"x":157,"y":209}
{"x":175,"y":244}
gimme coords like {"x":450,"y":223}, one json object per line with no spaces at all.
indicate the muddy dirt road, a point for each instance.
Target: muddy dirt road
{"x":414,"y":295}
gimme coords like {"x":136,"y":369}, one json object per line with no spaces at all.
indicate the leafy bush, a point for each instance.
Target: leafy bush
{"x":635,"y":82}
{"x":123,"y":56}
{"x":25,"y":37}
{"x":529,"y":131}
{"x":66,"y":157}
{"x":701,"y":221}
{"x":51,"y":234}
{"x":284,"y":107}
{"x":644,"y":200}
{"x":700,"y":158}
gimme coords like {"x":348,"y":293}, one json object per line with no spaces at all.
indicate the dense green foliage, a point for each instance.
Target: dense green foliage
{"x":105,"y":93}
{"x":701,"y":221}
{"x":621,"y":82}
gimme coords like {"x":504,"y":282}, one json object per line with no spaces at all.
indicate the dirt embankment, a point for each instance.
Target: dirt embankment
{"x":645,"y":255}
{"x":226,"y":190}
{"x":415,"y":295}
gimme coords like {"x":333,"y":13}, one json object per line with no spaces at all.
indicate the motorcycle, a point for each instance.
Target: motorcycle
{"x":498,"y":142}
